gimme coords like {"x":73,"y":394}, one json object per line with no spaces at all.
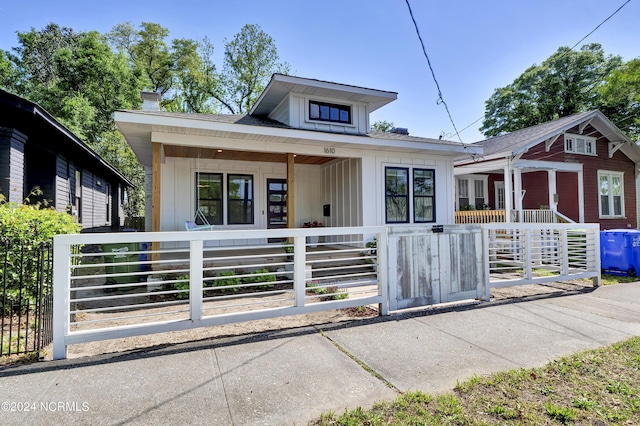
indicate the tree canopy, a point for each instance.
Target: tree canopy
{"x":566,"y":83}
{"x":81,"y":78}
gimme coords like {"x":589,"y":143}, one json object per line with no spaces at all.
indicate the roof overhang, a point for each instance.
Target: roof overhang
{"x":596,"y":119}
{"x":281,"y":85}
{"x":141,"y":129}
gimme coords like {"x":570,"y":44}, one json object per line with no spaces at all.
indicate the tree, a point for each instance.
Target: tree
{"x":620,"y":98}
{"x":383,"y":126}
{"x":83,"y":84}
{"x":249,"y":61}
{"x":564,"y":84}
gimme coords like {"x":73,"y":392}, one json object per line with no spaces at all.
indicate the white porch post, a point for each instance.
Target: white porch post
{"x":553,"y":205}
{"x":369,"y":194}
{"x":507,"y":193}
{"x":517,"y":189}
{"x":581,"y":197}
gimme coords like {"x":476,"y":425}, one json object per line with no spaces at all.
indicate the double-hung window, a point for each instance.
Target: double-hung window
{"x":209,"y":196}
{"x":240,"y":199}
{"x":409,"y":191}
{"x":611,"y":193}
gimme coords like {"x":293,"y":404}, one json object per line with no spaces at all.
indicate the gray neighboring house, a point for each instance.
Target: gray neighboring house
{"x":38,"y":151}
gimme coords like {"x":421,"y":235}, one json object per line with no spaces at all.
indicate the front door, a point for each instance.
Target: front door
{"x":499,"y":185}
{"x":276,"y":204}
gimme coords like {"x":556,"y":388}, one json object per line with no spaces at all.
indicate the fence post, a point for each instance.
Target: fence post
{"x":196,"y":264}
{"x":299,"y":272}
{"x":61,"y":288}
{"x":382,"y":260}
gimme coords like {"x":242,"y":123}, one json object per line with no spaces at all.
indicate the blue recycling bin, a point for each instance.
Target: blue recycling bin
{"x":620,"y":251}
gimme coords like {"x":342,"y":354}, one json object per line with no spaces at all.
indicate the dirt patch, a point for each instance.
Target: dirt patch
{"x":500,"y":295}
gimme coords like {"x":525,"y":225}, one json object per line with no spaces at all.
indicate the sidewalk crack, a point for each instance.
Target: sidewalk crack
{"x":358,"y":361}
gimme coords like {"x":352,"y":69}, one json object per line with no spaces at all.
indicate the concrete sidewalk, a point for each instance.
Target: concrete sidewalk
{"x":292,"y":376}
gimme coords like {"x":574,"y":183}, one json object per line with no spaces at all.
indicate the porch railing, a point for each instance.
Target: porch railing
{"x":520,"y":216}
{"x":480,"y":216}
{"x":110,"y":286}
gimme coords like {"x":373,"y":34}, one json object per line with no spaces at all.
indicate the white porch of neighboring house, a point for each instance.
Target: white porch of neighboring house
{"x":509,"y":198}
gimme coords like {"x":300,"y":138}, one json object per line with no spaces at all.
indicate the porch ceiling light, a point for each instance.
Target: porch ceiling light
{"x":219,"y":150}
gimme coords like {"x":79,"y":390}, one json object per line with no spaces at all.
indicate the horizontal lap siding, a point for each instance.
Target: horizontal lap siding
{"x":591,"y":164}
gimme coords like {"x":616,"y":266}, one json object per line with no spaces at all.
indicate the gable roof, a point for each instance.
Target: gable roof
{"x":31,"y":119}
{"x":281,"y":85}
{"x":514,"y":143}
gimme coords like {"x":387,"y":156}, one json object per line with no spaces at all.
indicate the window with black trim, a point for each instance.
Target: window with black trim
{"x":397,"y":195}
{"x":209,"y":196}
{"x":423,"y":195}
{"x":322,"y":111}
{"x":240,"y":199}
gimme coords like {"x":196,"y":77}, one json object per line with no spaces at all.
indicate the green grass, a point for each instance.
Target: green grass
{"x":600,"y":386}
{"x":607,"y":279}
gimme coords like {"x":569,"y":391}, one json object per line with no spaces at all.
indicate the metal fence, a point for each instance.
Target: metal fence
{"x":26,"y":277}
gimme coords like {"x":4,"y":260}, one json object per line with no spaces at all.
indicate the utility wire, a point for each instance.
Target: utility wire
{"x":573,"y":47}
{"x":433,"y":74}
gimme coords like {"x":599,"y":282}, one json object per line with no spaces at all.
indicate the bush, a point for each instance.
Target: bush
{"x":25,"y":230}
{"x":256,"y":278}
{"x":230,"y":281}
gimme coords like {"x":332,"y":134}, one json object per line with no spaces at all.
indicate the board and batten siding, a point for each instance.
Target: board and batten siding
{"x":298,"y":113}
{"x":12,"y":164}
{"x":178,"y":195}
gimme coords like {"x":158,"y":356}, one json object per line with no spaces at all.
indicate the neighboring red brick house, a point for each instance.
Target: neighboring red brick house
{"x":582,"y":167}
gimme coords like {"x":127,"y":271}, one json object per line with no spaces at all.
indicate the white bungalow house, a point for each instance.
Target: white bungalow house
{"x":304,"y":153}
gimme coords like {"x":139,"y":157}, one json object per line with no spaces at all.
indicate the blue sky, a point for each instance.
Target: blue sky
{"x":474,"y":46}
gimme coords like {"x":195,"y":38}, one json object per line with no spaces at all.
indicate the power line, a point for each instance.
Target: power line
{"x":600,"y":24}
{"x":565,"y":53}
{"x":433,"y":74}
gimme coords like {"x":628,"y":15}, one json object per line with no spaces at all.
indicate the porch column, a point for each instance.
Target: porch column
{"x":291,"y":222}
{"x":507,"y":193}
{"x":553,"y":205}
{"x":517,"y":189}
{"x":581,"y":196}
{"x":155,"y":195}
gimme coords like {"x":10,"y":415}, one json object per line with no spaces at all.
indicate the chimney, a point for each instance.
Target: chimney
{"x":150,"y":101}
{"x":400,"y":131}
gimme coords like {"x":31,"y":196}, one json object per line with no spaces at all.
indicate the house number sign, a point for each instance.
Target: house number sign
{"x":329,"y":150}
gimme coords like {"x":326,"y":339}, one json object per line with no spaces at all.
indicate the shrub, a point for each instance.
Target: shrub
{"x":230,"y":281}
{"x":182,"y":285}
{"x":257,"y":277}
{"x":24,"y":231}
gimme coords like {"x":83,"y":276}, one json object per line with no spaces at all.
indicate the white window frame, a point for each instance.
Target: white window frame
{"x":610,"y":175}
{"x":579,"y":144}
{"x":471,"y":188}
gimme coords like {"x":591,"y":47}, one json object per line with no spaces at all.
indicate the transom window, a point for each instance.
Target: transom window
{"x":611,"y":193}
{"x":403,"y":195}
{"x":578,"y":144}
{"x":322,"y":111}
